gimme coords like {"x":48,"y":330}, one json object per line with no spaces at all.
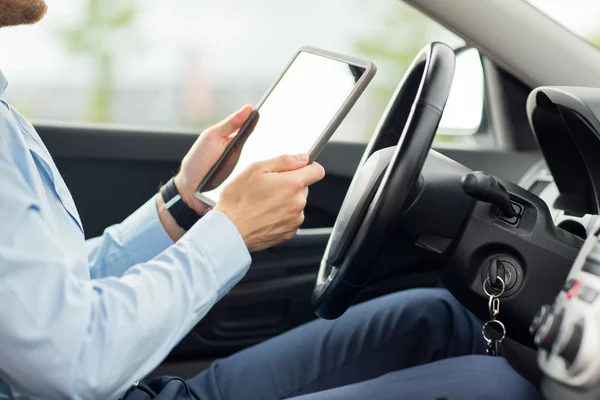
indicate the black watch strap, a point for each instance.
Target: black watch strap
{"x":182,"y":214}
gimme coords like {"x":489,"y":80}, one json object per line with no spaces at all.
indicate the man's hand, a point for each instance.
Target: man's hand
{"x":205,"y":152}
{"x":266,"y":202}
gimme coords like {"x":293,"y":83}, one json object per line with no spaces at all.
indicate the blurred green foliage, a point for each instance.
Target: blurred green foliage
{"x":94,"y":37}
{"x":402,"y":34}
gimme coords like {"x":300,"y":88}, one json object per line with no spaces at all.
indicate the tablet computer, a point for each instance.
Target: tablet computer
{"x":298,"y":114}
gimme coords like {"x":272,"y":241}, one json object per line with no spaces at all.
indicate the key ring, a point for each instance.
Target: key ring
{"x":487,"y":324}
{"x":487,"y":280}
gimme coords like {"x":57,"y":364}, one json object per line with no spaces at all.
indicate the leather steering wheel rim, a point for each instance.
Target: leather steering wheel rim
{"x":380,"y":190}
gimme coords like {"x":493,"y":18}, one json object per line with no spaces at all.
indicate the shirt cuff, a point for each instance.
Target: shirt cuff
{"x":142,"y":234}
{"x":219,"y":240}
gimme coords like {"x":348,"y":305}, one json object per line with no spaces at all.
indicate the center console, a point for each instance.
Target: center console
{"x":567,"y":332}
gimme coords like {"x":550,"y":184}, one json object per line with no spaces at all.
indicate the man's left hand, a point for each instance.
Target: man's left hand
{"x":205,"y":152}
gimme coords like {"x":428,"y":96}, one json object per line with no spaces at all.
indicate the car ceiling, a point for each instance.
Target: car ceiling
{"x":519,"y":38}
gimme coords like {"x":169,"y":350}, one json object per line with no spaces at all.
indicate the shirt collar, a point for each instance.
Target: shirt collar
{"x":3,"y":83}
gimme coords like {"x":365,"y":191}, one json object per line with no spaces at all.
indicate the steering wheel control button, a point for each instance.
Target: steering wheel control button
{"x":587,"y":294}
{"x":548,"y":331}
{"x":570,"y":346}
{"x":539,"y":318}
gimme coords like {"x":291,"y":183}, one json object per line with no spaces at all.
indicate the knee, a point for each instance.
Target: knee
{"x":434,"y":298}
{"x":434,"y":308}
{"x":420,"y":296}
{"x":430,"y":302}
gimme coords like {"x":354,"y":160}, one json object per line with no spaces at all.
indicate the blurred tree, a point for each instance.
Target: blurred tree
{"x":96,"y":36}
{"x":403,"y":33}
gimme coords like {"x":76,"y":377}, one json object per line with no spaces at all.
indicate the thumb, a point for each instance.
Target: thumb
{"x":285,"y":163}
{"x":232,"y":123}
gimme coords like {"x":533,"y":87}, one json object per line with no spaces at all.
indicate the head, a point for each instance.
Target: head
{"x":21,"y":12}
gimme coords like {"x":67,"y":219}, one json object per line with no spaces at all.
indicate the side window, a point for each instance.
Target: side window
{"x":464,"y":110}
{"x":403,"y":32}
{"x":185,"y":64}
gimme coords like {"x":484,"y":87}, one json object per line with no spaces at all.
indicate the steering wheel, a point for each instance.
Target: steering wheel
{"x":381,"y":188}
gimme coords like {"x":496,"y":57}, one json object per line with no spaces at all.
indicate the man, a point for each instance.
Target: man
{"x":87,"y":320}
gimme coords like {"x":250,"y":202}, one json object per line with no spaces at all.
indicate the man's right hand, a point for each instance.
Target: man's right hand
{"x":266,"y":202}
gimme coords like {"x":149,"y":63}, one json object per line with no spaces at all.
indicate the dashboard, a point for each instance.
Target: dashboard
{"x":566,"y":124}
{"x":539,"y":181}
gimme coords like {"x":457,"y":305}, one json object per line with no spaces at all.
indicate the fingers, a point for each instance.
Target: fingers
{"x":232,"y":123}
{"x":308,"y":175}
{"x":284,"y":163}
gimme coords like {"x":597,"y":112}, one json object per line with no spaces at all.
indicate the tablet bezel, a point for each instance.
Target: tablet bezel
{"x":338,"y":117}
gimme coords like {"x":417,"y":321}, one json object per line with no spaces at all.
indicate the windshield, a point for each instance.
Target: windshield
{"x":578,"y":16}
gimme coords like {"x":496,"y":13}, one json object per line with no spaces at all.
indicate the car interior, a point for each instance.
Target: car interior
{"x":398,"y":212}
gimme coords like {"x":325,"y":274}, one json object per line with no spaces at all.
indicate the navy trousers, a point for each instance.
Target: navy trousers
{"x":417,"y":344}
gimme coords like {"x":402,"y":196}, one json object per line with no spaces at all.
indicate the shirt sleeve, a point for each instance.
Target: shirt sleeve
{"x":66,"y":337}
{"x":138,"y":239}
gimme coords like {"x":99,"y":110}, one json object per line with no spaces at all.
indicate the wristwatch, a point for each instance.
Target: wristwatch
{"x":183,"y":215}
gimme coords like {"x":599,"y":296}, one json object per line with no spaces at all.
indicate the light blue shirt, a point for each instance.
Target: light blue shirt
{"x":85,"y":320}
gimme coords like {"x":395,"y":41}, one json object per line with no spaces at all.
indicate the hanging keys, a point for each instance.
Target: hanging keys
{"x":494,"y":306}
{"x":493,"y":343}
